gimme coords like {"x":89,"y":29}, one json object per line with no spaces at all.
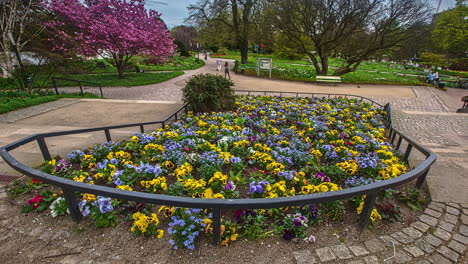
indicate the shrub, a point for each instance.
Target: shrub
{"x":209,"y":92}
{"x":222,"y":51}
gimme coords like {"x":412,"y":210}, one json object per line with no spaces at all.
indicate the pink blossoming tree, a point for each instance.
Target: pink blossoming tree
{"x":116,"y":30}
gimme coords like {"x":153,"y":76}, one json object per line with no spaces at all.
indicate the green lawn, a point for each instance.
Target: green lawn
{"x":10,"y":101}
{"x":131,"y":79}
{"x":368,"y":72}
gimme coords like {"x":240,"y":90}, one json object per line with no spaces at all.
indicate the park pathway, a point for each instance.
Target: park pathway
{"x":440,"y":235}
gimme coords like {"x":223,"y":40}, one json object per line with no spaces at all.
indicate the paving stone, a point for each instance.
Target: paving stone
{"x":412,"y":232}
{"x":325,"y":254}
{"x":401,"y":257}
{"x":358,"y":251}
{"x":424,"y":245}
{"x":446,"y":226}
{"x":433,"y":213}
{"x":453,"y":205}
{"x":422,"y":262}
{"x":389,"y":241}
{"x":304,"y":257}
{"x":415,"y":251}
{"x":371,"y":260}
{"x":458,"y":247}
{"x":464,"y":219}
{"x":356,"y":262}
{"x":428,"y":220}
{"x":464,"y":230}
{"x":440,"y":233}
{"x":436,"y":206}
{"x":374,"y":245}
{"x":460,"y":238}
{"x":465,"y":205}
{"x":433,"y":240}
{"x":438,"y":259}
{"x":448,"y":253}
{"x":452,"y":210}
{"x":420,"y":226}
{"x":342,"y":252}
{"x":401,"y":237}
{"x":450,"y":218}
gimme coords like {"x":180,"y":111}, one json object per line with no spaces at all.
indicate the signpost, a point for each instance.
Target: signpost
{"x":264,"y":64}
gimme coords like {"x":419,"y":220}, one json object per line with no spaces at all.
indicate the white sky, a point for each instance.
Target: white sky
{"x":175,"y":11}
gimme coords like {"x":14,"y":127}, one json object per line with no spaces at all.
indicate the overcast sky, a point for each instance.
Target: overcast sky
{"x":175,"y":11}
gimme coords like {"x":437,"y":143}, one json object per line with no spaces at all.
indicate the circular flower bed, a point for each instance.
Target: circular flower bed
{"x":268,"y":147}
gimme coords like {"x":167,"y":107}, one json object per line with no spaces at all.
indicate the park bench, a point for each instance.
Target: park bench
{"x":328,"y":79}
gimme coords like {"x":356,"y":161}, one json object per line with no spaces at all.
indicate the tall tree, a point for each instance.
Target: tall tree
{"x":353,"y":29}
{"x":20,"y":22}
{"x":451,"y":31}
{"x":235,"y":14}
{"x":116,"y":30}
{"x":186,"y":35}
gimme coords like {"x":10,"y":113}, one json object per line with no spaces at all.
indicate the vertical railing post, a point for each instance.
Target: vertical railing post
{"x":142,"y":129}
{"x":44,"y":149}
{"x":407,"y":152}
{"x":72,"y":204}
{"x":163,"y":125}
{"x":216,"y":226}
{"x":108,"y":136}
{"x":369,"y":204}
{"x":393,"y":136}
{"x":55,"y":86}
{"x":399,"y":142}
{"x":81,"y":88}
{"x":100,"y":90}
{"x":175,"y":116}
{"x":421,"y":179}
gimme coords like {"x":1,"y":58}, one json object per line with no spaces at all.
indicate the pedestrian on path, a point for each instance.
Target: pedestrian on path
{"x":219,"y":64}
{"x":226,"y":70}
{"x":436,"y":77}
{"x":206,"y":55}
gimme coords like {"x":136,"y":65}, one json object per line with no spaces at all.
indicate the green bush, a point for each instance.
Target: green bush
{"x":209,"y":92}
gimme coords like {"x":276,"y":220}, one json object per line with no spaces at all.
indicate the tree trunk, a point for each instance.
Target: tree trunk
{"x":244,"y":50}
{"x":324,"y":62}
{"x":120,"y":69}
{"x":343,"y":70}
{"x":6,"y":64}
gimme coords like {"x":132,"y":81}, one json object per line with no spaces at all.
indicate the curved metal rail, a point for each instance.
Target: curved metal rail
{"x":69,"y":187}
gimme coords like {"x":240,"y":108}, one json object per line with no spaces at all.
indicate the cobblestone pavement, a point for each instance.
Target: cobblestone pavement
{"x":439,"y":236}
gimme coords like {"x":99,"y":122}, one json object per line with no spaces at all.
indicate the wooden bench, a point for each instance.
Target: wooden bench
{"x":328,"y":79}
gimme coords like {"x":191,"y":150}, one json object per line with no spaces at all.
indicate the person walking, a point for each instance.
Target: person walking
{"x":226,"y":70}
{"x":219,"y":64}
{"x":436,"y":77}
{"x":206,"y":55}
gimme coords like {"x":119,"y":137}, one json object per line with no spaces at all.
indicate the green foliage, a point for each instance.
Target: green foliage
{"x":333,"y":210}
{"x":209,"y":92}
{"x":131,"y":79}
{"x":19,"y":187}
{"x":222,"y":51}
{"x":451,"y":31}
{"x":254,"y":226}
{"x":412,"y":198}
{"x":434,"y":59}
{"x":22,"y":99}
{"x":181,"y":48}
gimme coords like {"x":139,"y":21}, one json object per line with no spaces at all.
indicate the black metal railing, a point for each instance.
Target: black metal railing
{"x":371,"y":191}
{"x":79,"y":82}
